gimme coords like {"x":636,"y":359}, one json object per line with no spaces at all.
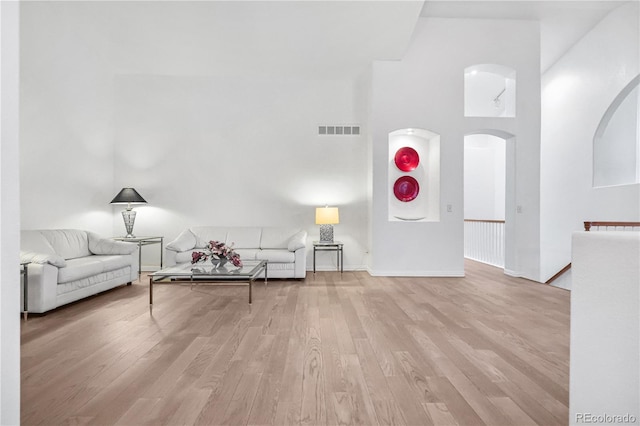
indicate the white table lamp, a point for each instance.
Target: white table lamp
{"x":326,"y":217}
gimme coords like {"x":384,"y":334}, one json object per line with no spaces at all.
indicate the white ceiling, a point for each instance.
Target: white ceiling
{"x":562,"y":23}
{"x":314,"y":39}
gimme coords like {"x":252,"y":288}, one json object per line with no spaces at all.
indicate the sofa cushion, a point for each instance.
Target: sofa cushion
{"x":84,"y":267}
{"x":244,"y":237}
{"x":68,"y":243}
{"x":276,"y":256}
{"x":298,"y":241}
{"x":277,"y":238}
{"x":185,"y":241}
{"x":113,"y":262}
{"x":204,"y":234}
{"x":106,"y":246}
{"x":247,"y":254}
{"x":34,"y":241}
{"x":84,"y":284}
{"x":33,"y":257}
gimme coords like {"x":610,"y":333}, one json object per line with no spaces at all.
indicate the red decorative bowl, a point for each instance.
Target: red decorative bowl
{"x":406,"y":188}
{"x":407,"y":159}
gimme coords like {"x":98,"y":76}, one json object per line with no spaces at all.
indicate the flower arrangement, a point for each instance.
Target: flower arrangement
{"x":219,"y":250}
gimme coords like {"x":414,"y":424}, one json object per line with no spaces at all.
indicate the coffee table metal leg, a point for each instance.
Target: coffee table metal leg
{"x":26,"y":291}
{"x":150,"y":295}
{"x":250,"y":287}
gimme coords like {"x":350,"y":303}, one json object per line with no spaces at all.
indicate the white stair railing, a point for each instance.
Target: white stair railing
{"x":484,"y":241}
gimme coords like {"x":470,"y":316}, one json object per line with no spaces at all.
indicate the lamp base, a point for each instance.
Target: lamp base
{"x":129,"y":217}
{"x":326,"y":233}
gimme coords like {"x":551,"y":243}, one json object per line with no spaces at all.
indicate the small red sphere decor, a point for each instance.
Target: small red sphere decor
{"x":407,"y":159}
{"x":406,"y":188}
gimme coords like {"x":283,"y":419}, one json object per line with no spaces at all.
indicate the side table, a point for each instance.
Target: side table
{"x":24,"y":272}
{"x":143,"y":241}
{"x":329,"y":246}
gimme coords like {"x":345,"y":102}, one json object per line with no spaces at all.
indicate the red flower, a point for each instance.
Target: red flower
{"x":198,"y":256}
{"x":235,"y":259}
{"x":218,"y":249}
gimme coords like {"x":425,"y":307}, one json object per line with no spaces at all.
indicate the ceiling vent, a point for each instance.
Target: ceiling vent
{"x":331,"y":130}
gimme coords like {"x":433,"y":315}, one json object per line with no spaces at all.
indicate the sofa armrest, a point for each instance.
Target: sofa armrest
{"x":298,"y":241}
{"x":300,"y":269}
{"x":185,"y":241}
{"x":41,"y":258}
{"x":43,"y":285}
{"x":99,"y":245}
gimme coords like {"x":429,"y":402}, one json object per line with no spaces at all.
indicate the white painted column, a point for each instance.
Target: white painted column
{"x":9,"y":215}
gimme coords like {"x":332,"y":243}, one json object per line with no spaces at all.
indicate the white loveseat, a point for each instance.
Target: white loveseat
{"x":283,"y":248}
{"x":68,"y":264}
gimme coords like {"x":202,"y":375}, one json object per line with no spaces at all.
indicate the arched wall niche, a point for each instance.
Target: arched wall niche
{"x":616,"y":143}
{"x":423,"y":204}
{"x":489,"y":91}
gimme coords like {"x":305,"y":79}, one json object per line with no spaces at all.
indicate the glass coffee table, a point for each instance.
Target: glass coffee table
{"x":208,"y":274}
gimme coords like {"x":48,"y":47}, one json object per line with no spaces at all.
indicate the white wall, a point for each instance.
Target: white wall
{"x":425,"y":90}
{"x":208,"y":150}
{"x":66,"y":117}
{"x":105,"y":105}
{"x":484,"y":177}
{"x":616,"y":142}
{"x":576,"y":92}
{"x":9,"y":217}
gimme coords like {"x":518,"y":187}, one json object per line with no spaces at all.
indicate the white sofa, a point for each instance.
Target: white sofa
{"x":68,"y":264}
{"x":284,"y":248}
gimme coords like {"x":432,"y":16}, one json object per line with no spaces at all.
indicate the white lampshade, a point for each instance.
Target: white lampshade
{"x":327,"y":216}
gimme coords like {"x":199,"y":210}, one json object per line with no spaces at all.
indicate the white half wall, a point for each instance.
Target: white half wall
{"x":576,"y":92}
{"x":605,"y":328}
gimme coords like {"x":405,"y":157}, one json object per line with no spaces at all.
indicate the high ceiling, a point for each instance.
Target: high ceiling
{"x":313,"y":39}
{"x":317,"y":39}
{"x":562,"y":23}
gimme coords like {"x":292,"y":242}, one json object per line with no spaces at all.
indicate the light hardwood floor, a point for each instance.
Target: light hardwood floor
{"x":484,"y":349}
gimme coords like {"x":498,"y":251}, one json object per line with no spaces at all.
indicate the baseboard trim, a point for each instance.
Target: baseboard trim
{"x":511,"y":273}
{"x":456,"y":274}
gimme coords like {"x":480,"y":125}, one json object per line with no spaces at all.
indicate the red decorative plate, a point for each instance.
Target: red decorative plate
{"x":406,"y":188}
{"x":407,"y":159}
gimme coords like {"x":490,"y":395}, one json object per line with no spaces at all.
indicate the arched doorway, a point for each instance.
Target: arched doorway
{"x":489,"y":198}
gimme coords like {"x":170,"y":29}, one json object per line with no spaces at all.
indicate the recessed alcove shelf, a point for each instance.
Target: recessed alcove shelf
{"x":489,"y":91}
{"x":425,"y":207}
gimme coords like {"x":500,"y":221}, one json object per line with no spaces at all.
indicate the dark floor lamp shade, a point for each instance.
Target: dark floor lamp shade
{"x":128,"y":196}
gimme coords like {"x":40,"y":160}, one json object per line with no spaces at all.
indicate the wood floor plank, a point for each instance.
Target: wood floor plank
{"x":265,"y":403}
{"x":440,"y":414}
{"x":139,"y":412}
{"x":313,"y":383}
{"x":512,"y":411}
{"x":409,"y":403}
{"x":387,"y":411}
{"x":334,"y":349}
{"x":363,"y":408}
